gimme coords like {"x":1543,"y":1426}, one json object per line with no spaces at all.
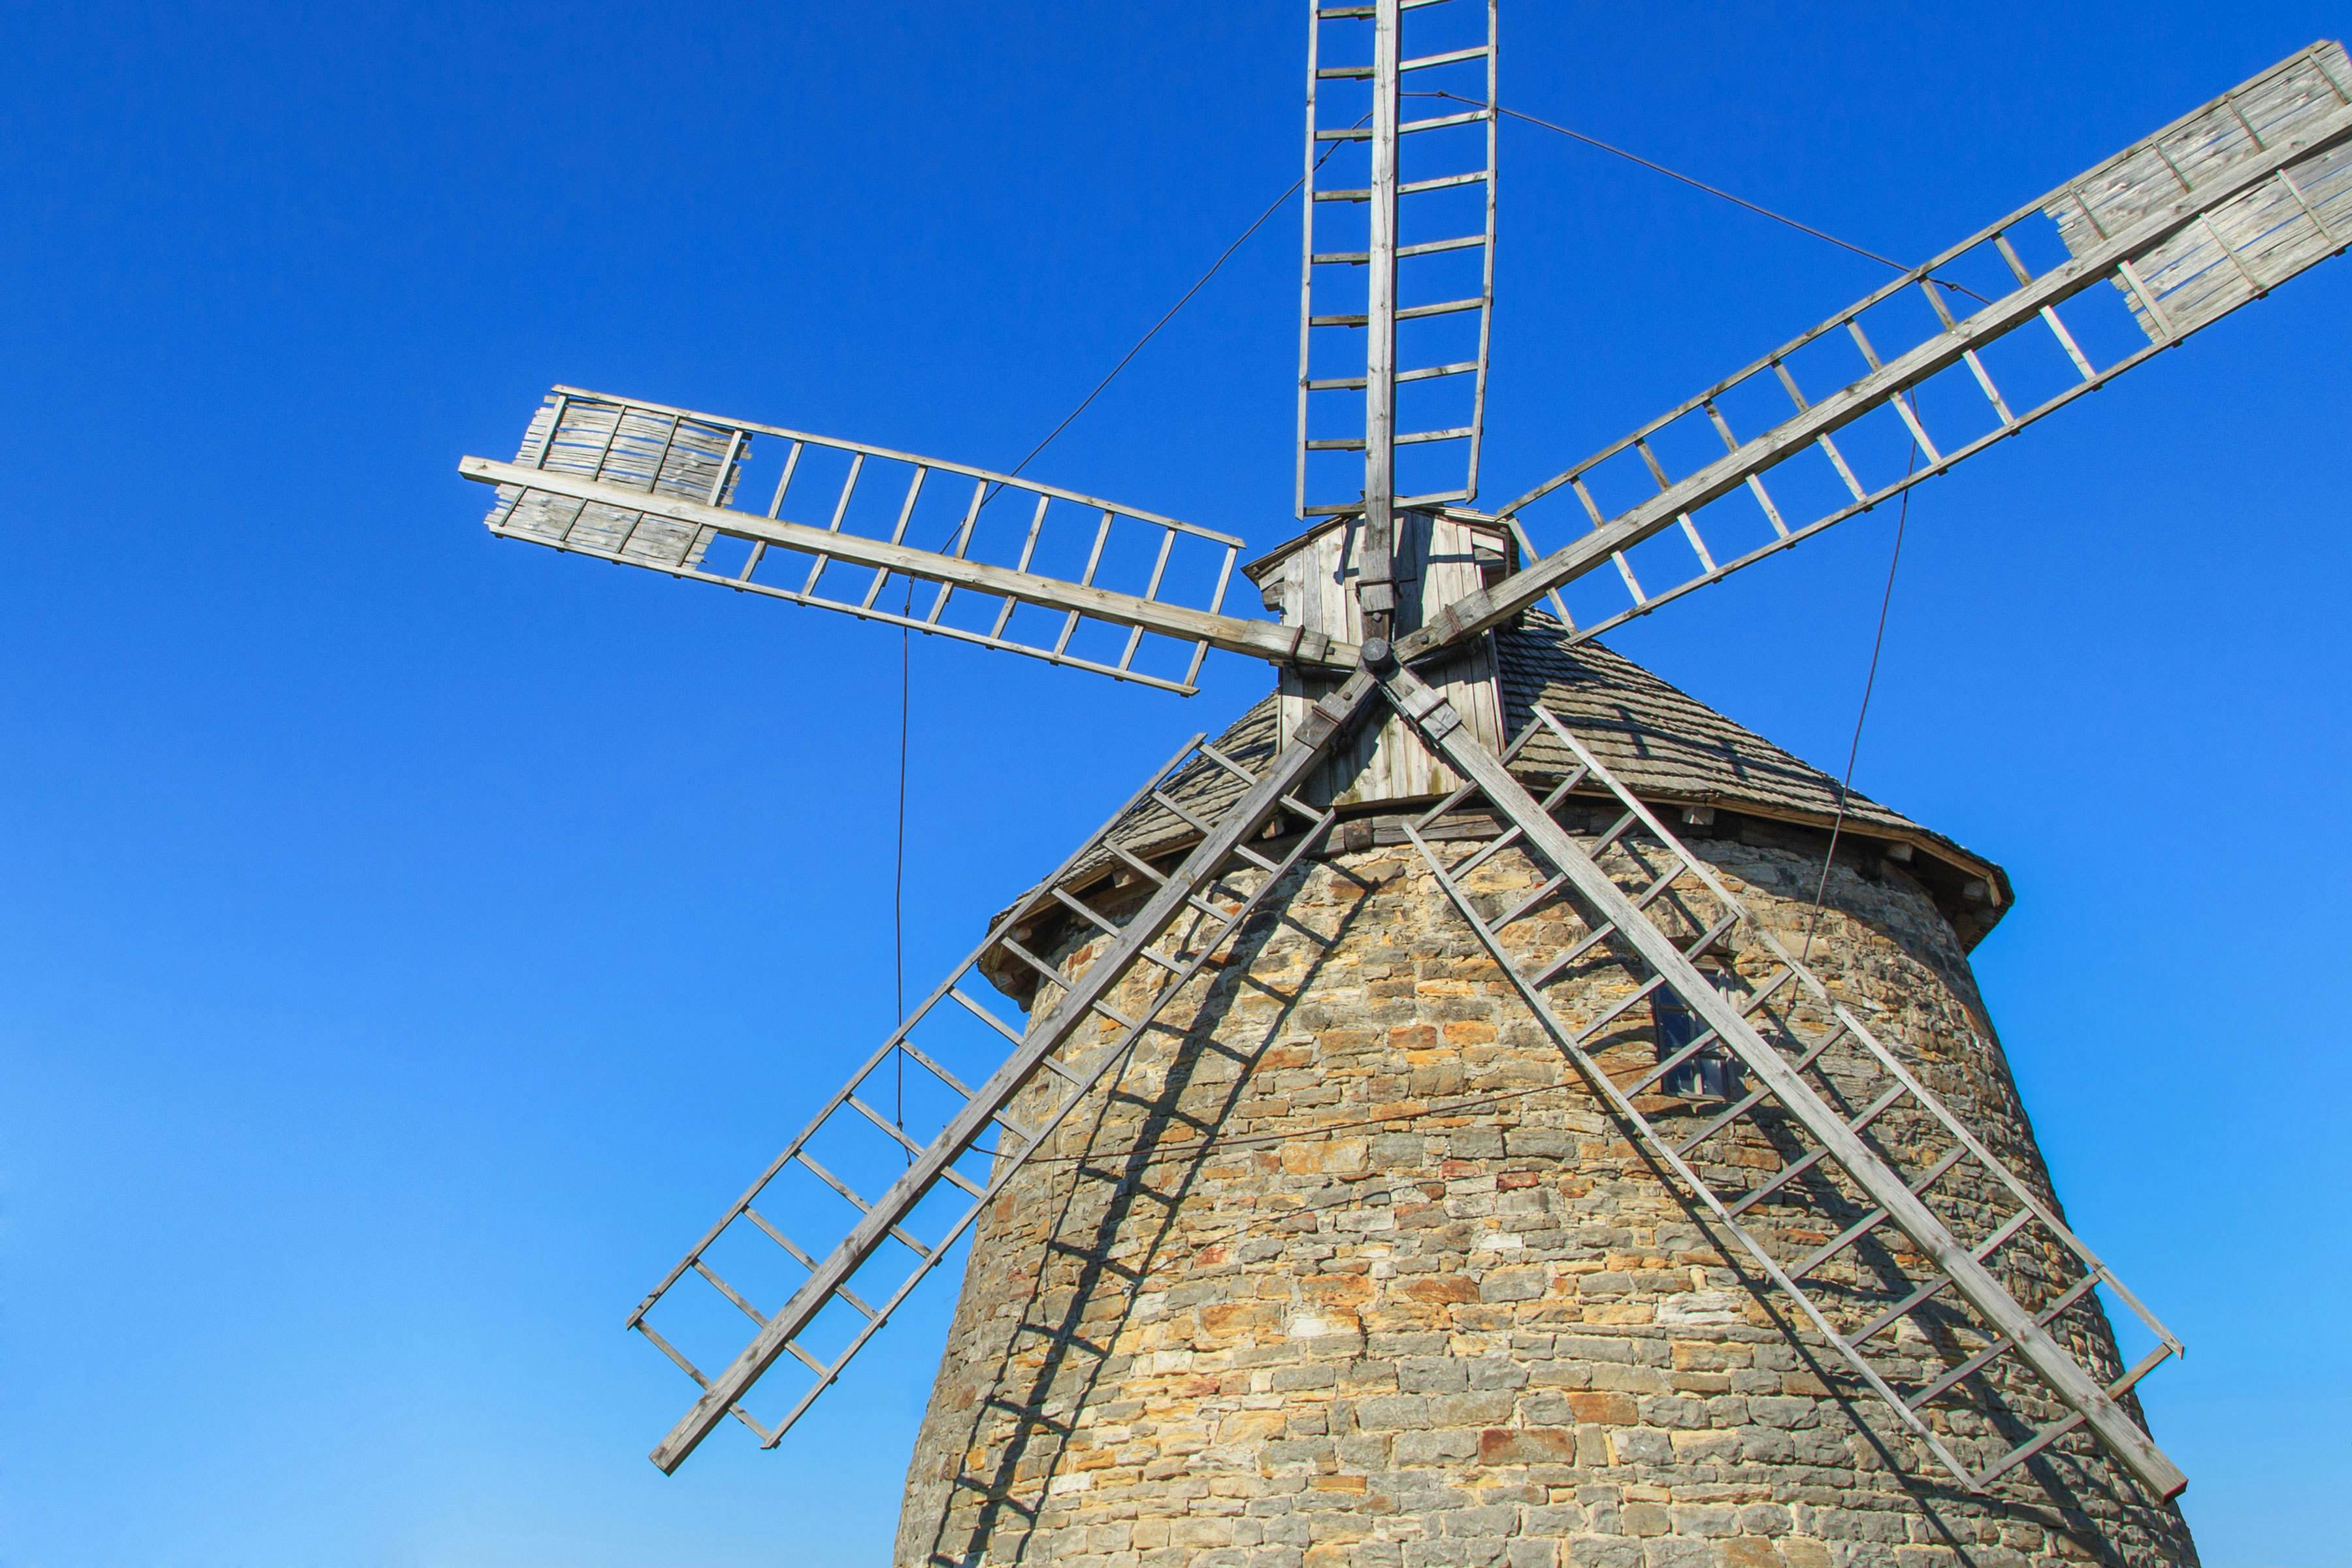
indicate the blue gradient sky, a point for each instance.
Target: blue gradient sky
{"x":407,"y":942}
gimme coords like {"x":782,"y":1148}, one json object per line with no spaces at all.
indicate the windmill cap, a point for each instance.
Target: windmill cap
{"x":1672,"y":751}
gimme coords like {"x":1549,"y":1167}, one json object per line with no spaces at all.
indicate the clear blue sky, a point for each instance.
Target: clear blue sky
{"x":407,"y":941}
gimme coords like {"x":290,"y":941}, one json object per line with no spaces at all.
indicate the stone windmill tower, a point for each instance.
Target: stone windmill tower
{"x":1438,"y":1134}
{"x":1351,"y":1264}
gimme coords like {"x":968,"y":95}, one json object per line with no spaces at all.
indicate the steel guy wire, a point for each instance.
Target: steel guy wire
{"x":1698,"y":184}
{"x":1185,"y":299}
{"x":1869,"y":683}
{"x":898,"y":872}
{"x":899,"y":866}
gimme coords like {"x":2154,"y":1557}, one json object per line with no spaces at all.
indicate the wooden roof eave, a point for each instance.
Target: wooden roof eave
{"x":1961,"y":867}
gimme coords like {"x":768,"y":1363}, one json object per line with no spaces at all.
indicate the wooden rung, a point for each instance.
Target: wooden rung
{"x":691,"y":1371}
{"x":1705,"y":1038}
{"x":1435,"y":248}
{"x":2000,"y":1238}
{"x":1560,"y":790}
{"x":2145,"y":1365}
{"x":1485,"y":852}
{"x":1669,"y":1065}
{"x":672,"y":1352}
{"x":1543,"y":891}
{"x":1142,"y":867}
{"x":2052,"y":1433}
{"x":1435,"y":814}
{"x":1255,"y":859}
{"x":1177,"y":808}
{"x":1982,"y":1251}
{"x":1574,"y":951}
{"x":1902,"y":406}
{"x":1430,"y":818}
{"x":1622,"y":1005}
{"x":1992,"y":393}
{"x":2028,"y":1448}
{"x":1227,"y":763}
{"x":1919,"y":1293}
{"x":1659,"y":884}
{"x":1714,"y":934}
{"x":1441,"y":122}
{"x":1748,"y":1101}
{"x":889,"y":1127}
{"x":1045,"y":970}
{"x":805,"y":1359}
{"x":1426,"y":372}
{"x":2066,"y":340}
{"x":2003,"y":1344}
{"x":1796,"y":1168}
{"x":838,"y":1185}
{"x":1441,"y":307}
{"x":729,"y":1291}
{"x":1222,"y":917}
{"x":2017,"y":266}
{"x":780,"y":1239}
{"x":2058,"y":1429}
{"x":1697,"y":542}
{"x":1086,"y":913}
{"x":1615,"y":831}
{"x":984,"y":1015}
{"x":1837,"y":461}
{"x":934,"y":1069}
{"x":1451,"y":57}
{"x":1870,"y":1221}
{"x":830,"y":1180}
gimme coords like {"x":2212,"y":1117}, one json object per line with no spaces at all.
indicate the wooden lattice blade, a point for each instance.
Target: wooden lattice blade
{"x":1396,"y":276}
{"x":1002,"y":561}
{"x":2184,"y":227}
{"x":1841,"y":1142}
{"x":1076,"y":1033}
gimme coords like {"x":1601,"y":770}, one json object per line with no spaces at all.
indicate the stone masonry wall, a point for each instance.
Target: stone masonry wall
{"x":1350,"y":1267}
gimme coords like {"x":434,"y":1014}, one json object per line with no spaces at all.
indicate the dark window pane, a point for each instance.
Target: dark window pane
{"x":1712,"y":1073}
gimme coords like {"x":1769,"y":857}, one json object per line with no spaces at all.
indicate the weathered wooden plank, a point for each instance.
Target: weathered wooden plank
{"x":2262,"y":220}
{"x":1309,"y":743}
{"x":1437,"y":559}
{"x":1258,"y":639}
{"x":1833,"y":1132}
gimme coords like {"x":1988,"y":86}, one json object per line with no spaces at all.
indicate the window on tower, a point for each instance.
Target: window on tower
{"x":1713,"y":1073}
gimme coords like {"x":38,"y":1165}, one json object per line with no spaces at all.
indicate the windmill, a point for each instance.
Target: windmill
{"x":1888,"y":1226}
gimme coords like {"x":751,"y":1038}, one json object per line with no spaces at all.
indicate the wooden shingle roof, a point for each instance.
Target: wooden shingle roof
{"x":1667,"y":747}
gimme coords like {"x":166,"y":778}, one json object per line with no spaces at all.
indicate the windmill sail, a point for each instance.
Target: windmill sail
{"x":1844,"y":1180}
{"x":997,"y":1093}
{"x":2213,"y":211}
{"x":1397,"y":271}
{"x":1000,"y":561}
{"x":2239,"y":250}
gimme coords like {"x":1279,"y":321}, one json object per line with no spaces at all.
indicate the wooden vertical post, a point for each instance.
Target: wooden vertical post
{"x":1375,"y":590}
